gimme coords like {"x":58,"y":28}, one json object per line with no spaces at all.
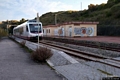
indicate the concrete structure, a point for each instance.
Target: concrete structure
{"x":73,"y":29}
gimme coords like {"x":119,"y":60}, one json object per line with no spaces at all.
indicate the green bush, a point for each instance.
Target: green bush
{"x":23,"y":43}
{"x":41,"y":54}
{"x":115,"y":11}
{"x":3,"y":32}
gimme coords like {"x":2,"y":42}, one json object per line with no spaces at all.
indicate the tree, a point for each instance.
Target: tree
{"x":11,"y":29}
{"x":22,"y":21}
{"x":101,"y":6}
{"x":117,"y":1}
{"x":110,"y":3}
{"x":91,"y":7}
{"x":13,"y":22}
{"x":3,"y":32}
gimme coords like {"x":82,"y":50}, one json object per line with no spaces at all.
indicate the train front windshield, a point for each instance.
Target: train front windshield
{"x":34,"y":28}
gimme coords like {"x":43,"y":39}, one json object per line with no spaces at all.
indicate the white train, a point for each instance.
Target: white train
{"x":29,"y":30}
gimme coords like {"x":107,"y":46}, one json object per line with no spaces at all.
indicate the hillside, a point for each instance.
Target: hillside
{"x":106,"y":14}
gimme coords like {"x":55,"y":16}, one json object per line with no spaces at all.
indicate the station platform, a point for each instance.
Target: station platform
{"x":15,"y":64}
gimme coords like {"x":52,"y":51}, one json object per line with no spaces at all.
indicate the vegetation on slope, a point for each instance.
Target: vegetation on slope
{"x":3,"y":32}
{"x":108,"y":16}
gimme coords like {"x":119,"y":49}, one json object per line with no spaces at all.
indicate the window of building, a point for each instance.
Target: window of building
{"x":49,"y":30}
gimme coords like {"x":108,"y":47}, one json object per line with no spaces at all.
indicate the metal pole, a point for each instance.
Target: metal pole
{"x":81,"y":6}
{"x":38,"y":28}
{"x":55,"y":19}
{"x":7,"y":27}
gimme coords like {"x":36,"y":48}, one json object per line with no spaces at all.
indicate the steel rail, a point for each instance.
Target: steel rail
{"x":85,"y":55}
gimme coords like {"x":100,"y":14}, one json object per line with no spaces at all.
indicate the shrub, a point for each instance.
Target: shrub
{"x":41,"y":54}
{"x":23,"y":43}
{"x":3,"y":32}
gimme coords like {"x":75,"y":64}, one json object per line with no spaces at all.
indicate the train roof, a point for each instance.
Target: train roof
{"x":28,"y":22}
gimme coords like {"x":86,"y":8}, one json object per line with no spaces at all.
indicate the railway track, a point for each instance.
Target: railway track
{"x":85,"y":55}
{"x":75,"y":52}
{"x":95,"y":46}
{"x":101,"y":47}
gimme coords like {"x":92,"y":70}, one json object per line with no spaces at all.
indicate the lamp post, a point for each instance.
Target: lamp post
{"x":55,"y":19}
{"x":81,"y":6}
{"x":38,"y":28}
{"x":7,"y":27}
{"x":56,"y":16}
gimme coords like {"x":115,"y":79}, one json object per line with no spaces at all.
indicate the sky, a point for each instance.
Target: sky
{"x":28,"y":9}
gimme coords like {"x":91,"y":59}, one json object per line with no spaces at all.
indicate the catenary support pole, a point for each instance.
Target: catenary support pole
{"x":38,"y":28}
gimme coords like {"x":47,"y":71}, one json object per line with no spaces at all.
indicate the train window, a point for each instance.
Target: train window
{"x":21,"y":30}
{"x":26,"y":28}
{"x":34,"y":28}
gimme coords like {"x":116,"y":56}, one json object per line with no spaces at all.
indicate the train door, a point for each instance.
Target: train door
{"x":25,"y":31}
{"x":70,"y":31}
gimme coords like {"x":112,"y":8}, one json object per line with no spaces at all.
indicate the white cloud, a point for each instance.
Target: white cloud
{"x":17,"y":9}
